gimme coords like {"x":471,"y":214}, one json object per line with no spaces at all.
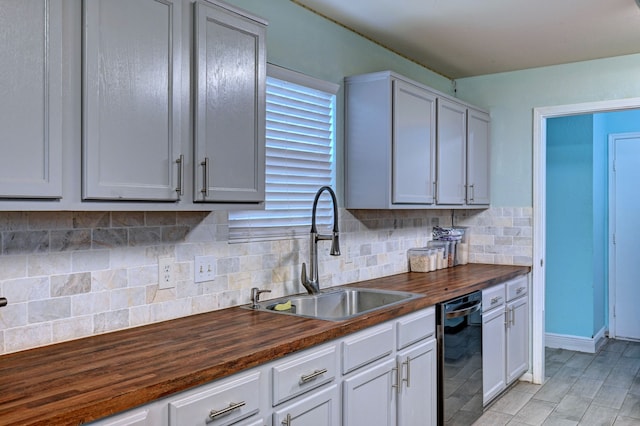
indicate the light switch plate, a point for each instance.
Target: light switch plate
{"x":204,"y":268}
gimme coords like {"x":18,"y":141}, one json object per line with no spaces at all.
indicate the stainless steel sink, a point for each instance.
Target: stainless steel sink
{"x":338,"y":304}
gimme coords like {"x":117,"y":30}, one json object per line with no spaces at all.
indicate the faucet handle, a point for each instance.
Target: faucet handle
{"x":255,"y":296}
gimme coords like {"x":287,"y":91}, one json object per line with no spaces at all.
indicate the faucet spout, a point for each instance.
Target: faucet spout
{"x":311,"y":284}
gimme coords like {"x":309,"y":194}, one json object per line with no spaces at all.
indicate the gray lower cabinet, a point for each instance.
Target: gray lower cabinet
{"x":31,"y":100}
{"x":384,"y":375}
{"x":230,"y":78}
{"x":131,"y":100}
{"x":505,"y":335}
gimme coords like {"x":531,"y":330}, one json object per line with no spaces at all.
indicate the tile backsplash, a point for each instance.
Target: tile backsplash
{"x":69,"y":275}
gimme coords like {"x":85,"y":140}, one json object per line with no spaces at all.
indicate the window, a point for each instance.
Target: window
{"x":299,"y":158}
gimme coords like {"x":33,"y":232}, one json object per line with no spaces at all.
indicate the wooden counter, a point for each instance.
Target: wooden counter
{"x":86,"y":379}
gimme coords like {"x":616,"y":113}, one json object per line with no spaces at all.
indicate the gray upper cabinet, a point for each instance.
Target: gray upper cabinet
{"x":230,"y":77}
{"x":452,"y":152}
{"x":413,"y":144}
{"x":478,"y":179}
{"x":31,"y":99}
{"x":390,"y":143}
{"x":131,"y":100}
{"x":408,"y":146}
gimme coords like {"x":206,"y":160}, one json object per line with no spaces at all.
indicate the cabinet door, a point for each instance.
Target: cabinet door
{"x":230,"y":80}
{"x":493,"y":353}
{"x":131,"y":104}
{"x":517,"y":338}
{"x":319,"y":408}
{"x":452,"y":157}
{"x":31,"y":100}
{"x":478,"y":157}
{"x":418,"y":389}
{"x":369,"y":397}
{"x":414,"y":132}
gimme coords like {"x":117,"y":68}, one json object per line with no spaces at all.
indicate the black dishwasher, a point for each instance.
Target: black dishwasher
{"x":459,"y":333}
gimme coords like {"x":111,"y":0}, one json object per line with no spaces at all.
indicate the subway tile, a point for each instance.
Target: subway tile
{"x":109,"y":238}
{"x":14,"y":221}
{"x":50,"y":220}
{"x":29,"y":336}
{"x":73,"y":239}
{"x":145,"y":236}
{"x":91,"y":219}
{"x":68,"y":285}
{"x":25,"y":242}
{"x":49,"y":264}
{"x":127,"y":219}
{"x":48,"y":309}
{"x":26,"y":289}
{"x":109,"y":321}
{"x":160,"y":218}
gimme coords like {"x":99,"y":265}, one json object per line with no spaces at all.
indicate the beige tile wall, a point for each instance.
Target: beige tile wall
{"x":69,"y":275}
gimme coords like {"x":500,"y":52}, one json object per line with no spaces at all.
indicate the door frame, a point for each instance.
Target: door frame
{"x":611,"y":223}
{"x":540,"y":116}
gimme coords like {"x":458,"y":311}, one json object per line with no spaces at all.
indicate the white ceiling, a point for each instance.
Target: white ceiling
{"x":462,"y":38}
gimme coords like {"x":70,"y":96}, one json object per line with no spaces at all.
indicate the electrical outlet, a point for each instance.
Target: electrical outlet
{"x":205,"y":268}
{"x":166,"y":269}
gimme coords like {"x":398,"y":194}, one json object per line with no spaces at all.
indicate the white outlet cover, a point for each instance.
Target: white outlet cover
{"x":204,"y":268}
{"x":166,"y":272}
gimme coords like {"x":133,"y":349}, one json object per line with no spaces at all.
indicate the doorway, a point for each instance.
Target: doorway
{"x":541,"y":115}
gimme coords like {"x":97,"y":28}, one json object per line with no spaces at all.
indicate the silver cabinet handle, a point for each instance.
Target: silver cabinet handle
{"x":513,"y":316}
{"x":3,"y":301}
{"x":287,"y":420}
{"x":396,"y":386}
{"x":520,"y":290}
{"x":408,"y":379}
{"x":473,"y":192}
{"x":180,"y":188}
{"x":496,"y":299}
{"x":205,"y":177}
{"x":311,"y":377}
{"x":232,"y":406}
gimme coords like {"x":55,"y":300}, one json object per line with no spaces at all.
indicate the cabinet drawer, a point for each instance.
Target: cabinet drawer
{"x":366,"y":346}
{"x":303,"y":373}
{"x":221,"y":403}
{"x":493,"y":297}
{"x":415,"y":327}
{"x":517,"y":287}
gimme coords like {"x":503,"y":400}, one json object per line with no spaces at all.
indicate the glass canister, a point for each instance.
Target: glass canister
{"x":419,"y":259}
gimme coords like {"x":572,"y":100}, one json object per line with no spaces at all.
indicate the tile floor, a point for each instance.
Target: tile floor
{"x":581,"y":389}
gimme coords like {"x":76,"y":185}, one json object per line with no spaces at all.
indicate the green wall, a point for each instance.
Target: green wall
{"x":302,"y":41}
{"x":511,"y":98}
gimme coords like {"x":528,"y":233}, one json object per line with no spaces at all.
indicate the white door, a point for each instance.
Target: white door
{"x":624,"y":210}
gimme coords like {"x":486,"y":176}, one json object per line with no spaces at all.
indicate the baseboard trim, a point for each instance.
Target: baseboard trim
{"x":575,"y":343}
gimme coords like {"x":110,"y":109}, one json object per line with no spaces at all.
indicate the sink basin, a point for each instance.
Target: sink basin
{"x":338,"y":304}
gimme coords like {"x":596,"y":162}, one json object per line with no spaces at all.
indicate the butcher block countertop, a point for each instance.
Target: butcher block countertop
{"x":82,"y":380}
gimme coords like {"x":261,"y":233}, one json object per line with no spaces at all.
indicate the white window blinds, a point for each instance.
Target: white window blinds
{"x":299,"y":158}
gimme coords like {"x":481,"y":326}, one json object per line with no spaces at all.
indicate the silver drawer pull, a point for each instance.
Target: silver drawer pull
{"x":408,"y":379}
{"x":287,"y":420}
{"x":520,"y":290}
{"x":496,"y":299}
{"x":232,"y":406}
{"x":311,"y":377}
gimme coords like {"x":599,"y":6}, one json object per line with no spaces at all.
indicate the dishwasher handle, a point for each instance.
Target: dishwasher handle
{"x":464,"y":309}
